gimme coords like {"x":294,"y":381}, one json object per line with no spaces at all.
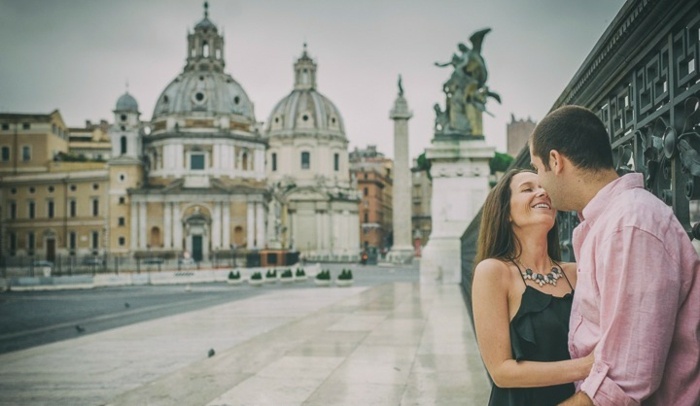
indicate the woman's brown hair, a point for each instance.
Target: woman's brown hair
{"x":496,"y":236}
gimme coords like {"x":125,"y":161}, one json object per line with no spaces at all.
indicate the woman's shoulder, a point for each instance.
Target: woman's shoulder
{"x":491,"y":268}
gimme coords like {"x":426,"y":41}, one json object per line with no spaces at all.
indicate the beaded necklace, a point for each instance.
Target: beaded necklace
{"x":540,"y":278}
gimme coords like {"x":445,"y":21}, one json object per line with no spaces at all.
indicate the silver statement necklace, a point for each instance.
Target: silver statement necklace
{"x":540,"y":278}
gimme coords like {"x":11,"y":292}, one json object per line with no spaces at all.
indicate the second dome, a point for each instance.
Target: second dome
{"x":305,"y":110}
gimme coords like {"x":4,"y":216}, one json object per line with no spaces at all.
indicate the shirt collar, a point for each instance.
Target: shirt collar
{"x":601,"y":201}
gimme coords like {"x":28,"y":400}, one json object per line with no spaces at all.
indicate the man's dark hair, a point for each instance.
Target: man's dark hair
{"x":578,"y":134}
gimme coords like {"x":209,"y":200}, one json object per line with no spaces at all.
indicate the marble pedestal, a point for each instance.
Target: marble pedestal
{"x":460,"y":171}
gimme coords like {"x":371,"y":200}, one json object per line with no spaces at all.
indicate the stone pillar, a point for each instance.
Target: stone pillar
{"x":260,"y":224}
{"x":216,"y":227}
{"x":460,"y":172}
{"x":177,"y":226}
{"x":226,"y":224}
{"x":143,"y":231}
{"x":134,"y":226}
{"x":250,"y":225}
{"x":402,"y":250}
{"x":167,"y":225}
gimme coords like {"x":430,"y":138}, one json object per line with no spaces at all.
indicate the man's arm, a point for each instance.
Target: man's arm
{"x":579,"y":399}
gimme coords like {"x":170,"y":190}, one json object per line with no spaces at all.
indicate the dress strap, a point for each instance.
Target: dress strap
{"x":564,"y":273}
{"x":520,"y":271}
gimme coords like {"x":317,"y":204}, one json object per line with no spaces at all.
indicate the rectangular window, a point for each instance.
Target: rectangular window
{"x":32,"y":209}
{"x":31,"y":243}
{"x":5,"y":126}
{"x":122,"y":200}
{"x":366,"y":217}
{"x":72,"y":208}
{"x":274,"y":161}
{"x":5,"y":155}
{"x":366,"y":192}
{"x":26,"y":153}
{"x":26,"y":126}
{"x":95,"y":207}
{"x":305,"y":160}
{"x":122,"y":241}
{"x":50,"y":209}
{"x":13,"y":210}
{"x":95,"y":240}
{"x":122,"y":221}
{"x":336,"y":162}
{"x":72,"y":240}
{"x":197,"y":162}
{"x":13,"y":243}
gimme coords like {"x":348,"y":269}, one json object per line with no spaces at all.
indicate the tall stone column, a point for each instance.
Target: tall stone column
{"x":402,"y":249}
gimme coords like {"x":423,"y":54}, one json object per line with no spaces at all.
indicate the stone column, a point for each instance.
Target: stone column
{"x":216,"y":226}
{"x":167,"y":225}
{"x":177,"y":222}
{"x":402,"y":249}
{"x":143,"y":231}
{"x":226,"y":224}
{"x":260,"y":224}
{"x":250,"y":225}
{"x":134,"y":226}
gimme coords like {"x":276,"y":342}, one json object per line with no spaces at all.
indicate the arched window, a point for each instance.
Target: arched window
{"x":205,"y":50}
{"x":274,"y":161}
{"x":122,"y":145}
{"x":244,"y":161}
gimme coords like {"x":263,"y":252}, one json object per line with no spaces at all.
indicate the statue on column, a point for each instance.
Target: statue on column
{"x":465,"y":91}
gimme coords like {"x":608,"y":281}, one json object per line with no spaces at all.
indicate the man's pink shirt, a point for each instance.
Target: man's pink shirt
{"x":637,"y":300}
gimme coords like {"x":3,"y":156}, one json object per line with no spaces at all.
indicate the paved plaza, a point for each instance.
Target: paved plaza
{"x":397,"y":343}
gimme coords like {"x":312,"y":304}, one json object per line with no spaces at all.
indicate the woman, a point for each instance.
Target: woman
{"x":521,"y":297}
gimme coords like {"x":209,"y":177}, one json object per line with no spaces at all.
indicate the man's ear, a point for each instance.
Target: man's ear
{"x":556,"y":161}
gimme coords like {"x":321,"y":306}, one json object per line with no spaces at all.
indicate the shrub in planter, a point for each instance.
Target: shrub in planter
{"x":256,"y":279}
{"x":234,"y":278}
{"x":287,"y":276}
{"x":345,"y":278}
{"x":323,"y":278}
{"x":300,"y":275}
{"x":271,"y":276}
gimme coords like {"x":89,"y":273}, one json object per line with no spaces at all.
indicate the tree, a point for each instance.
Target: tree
{"x":424,"y":164}
{"x":499,"y":163}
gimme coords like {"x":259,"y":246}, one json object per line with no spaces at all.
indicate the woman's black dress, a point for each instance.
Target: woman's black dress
{"x":538,"y":332}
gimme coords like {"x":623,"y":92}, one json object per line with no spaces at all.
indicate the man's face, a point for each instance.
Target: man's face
{"x":547,"y":179}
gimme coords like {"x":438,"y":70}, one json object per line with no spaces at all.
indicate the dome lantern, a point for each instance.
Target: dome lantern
{"x":205,"y":47}
{"x":305,"y":72}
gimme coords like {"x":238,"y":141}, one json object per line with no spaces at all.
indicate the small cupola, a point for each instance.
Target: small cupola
{"x":205,"y":46}
{"x":305,"y":72}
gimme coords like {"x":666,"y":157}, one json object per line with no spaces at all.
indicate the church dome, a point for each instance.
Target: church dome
{"x":127,"y":103}
{"x":305,"y":110}
{"x":214,"y":93}
{"x":203,"y":89}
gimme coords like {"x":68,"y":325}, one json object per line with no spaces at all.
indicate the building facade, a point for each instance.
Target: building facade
{"x":517,"y":133}
{"x":372,"y":172}
{"x":308,"y":171}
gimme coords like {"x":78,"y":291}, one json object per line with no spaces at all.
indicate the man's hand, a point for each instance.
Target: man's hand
{"x":579,"y":399}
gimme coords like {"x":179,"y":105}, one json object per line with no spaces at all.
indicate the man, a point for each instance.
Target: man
{"x":637,"y":301}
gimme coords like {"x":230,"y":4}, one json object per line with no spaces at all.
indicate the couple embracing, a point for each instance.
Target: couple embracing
{"x":619,"y":327}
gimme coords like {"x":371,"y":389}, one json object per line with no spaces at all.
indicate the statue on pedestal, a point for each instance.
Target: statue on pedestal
{"x":466,"y":91}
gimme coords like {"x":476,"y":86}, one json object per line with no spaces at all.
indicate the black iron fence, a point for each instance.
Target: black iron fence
{"x":643,"y":80}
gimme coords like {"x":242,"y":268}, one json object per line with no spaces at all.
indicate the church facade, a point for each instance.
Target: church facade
{"x":201,"y":179}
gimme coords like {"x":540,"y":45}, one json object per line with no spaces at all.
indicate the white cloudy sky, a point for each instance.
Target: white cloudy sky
{"x":76,"y":55}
